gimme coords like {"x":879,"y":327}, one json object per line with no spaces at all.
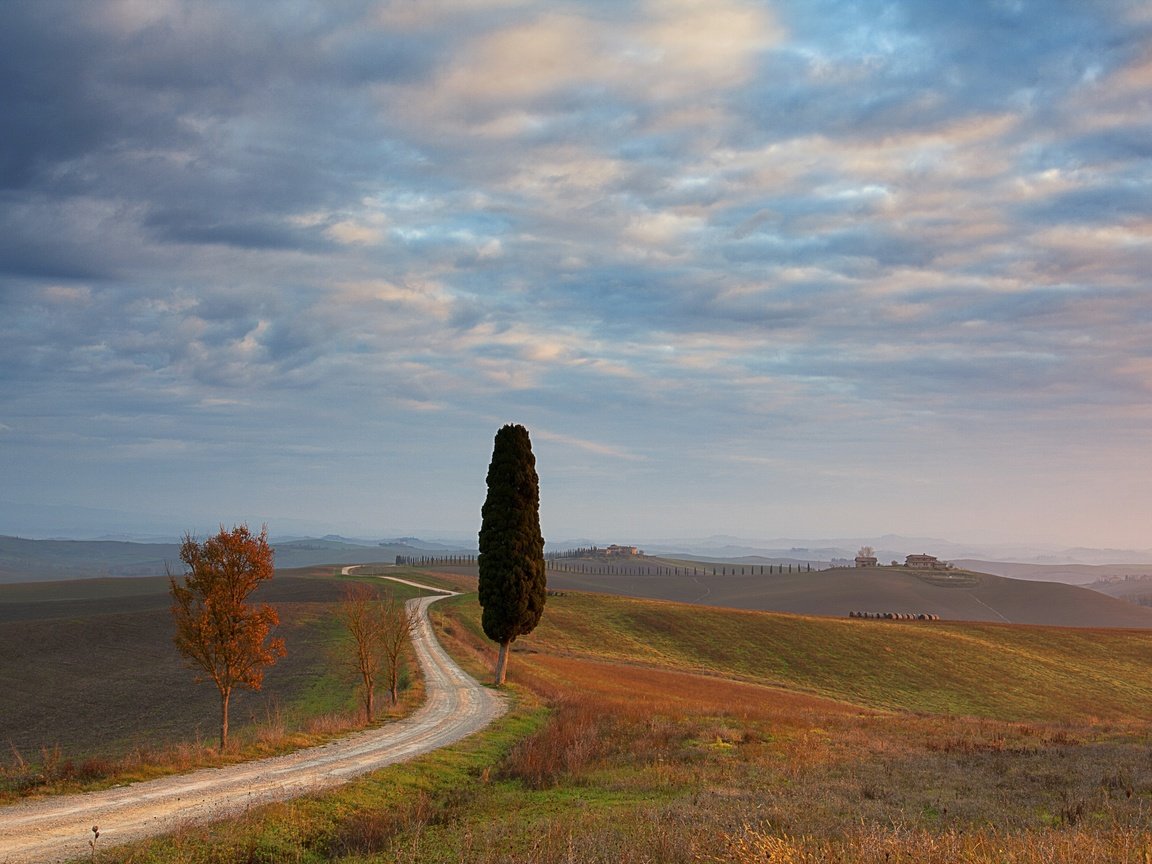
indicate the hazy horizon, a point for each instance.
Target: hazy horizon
{"x":763,"y":269}
{"x":810,"y":547}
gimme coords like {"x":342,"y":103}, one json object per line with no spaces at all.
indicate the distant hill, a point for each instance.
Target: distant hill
{"x":1135,"y":588}
{"x":38,"y":560}
{"x":887,"y":548}
{"x":953,"y":595}
{"x":963,"y":596}
{"x":1073,"y":574}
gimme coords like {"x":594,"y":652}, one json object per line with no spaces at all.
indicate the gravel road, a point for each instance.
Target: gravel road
{"x":59,"y":828}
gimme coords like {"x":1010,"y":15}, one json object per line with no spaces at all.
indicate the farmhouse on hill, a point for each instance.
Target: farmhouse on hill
{"x":925,"y":562}
{"x":866,"y":557}
{"x":621,"y":551}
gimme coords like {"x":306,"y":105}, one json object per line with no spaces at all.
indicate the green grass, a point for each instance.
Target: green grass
{"x":988,"y":670}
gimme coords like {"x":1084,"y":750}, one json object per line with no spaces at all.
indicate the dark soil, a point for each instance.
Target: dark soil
{"x":93,"y":670}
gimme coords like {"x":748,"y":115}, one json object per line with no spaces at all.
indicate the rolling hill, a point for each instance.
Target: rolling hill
{"x":953,"y":595}
{"x":965,"y":595}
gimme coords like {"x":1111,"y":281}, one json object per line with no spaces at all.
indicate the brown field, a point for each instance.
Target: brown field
{"x":92,"y":680}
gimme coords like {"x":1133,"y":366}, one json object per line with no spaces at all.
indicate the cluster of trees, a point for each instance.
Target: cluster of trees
{"x":379,"y":629}
{"x":227,"y":640}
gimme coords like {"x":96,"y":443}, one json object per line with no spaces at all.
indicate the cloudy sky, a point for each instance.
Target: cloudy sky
{"x":805,"y":268}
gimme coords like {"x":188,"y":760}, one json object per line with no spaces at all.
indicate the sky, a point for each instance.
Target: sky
{"x":762,"y":269}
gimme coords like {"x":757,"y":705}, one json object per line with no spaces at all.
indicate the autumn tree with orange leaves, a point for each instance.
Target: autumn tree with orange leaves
{"x":220,"y":635}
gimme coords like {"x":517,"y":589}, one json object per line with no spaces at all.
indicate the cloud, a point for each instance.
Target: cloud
{"x":351,"y":232}
{"x":594,"y":447}
{"x":811,"y":231}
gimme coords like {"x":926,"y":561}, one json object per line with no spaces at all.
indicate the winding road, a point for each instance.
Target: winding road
{"x":59,"y":828}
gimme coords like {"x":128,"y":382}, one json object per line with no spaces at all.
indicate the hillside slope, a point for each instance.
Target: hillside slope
{"x":1007,"y":672}
{"x":960,"y":597}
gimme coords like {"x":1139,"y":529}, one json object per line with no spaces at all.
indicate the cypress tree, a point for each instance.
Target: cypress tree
{"x":513,"y":586}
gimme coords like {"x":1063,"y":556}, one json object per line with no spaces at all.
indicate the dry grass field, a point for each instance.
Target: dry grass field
{"x":654,"y":732}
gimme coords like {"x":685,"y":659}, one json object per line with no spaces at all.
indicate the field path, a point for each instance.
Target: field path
{"x":59,"y":828}
{"x":989,"y":608}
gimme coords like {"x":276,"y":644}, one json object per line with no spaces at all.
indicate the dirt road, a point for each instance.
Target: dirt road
{"x":58,"y":829}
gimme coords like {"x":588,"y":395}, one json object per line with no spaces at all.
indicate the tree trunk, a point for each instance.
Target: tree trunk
{"x":502,"y":664}
{"x":369,"y":700}
{"x":224,"y":696}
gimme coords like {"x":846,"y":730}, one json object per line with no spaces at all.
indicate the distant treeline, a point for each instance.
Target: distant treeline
{"x":565,"y":562}
{"x":435,"y":560}
{"x":628,"y":569}
{"x":579,"y":552}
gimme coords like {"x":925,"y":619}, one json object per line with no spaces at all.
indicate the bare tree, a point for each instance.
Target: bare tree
{"x":379,"y":628}
{"x":218,"y":633}
{"x":401,"y":622}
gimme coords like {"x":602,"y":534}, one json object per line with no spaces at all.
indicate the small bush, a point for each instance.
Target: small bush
{"x":566,"y":744}
{"x":21,"y":776}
